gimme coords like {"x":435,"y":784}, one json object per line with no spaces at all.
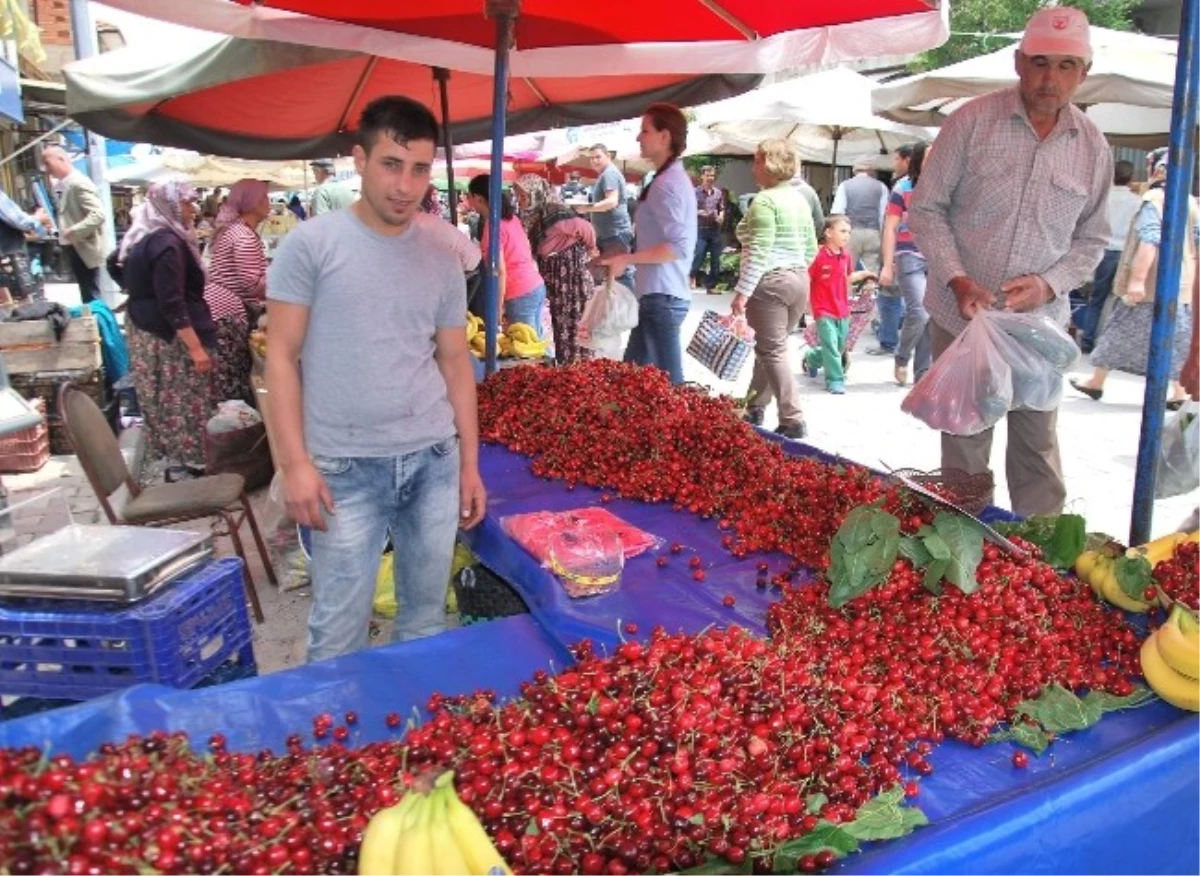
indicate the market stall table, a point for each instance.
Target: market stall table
{"x":1119,"y":797}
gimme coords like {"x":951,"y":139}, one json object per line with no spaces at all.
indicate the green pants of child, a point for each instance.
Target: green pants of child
{"x":832,"y":334}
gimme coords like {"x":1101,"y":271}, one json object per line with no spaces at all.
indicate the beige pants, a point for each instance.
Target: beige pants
{"x":774,"y":308}
{"x":864,"y":244}
{"x":1032,"y":463}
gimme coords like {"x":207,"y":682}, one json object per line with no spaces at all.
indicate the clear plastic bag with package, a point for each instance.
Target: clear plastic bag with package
{"x":1001,"y":362}
{"x":1179,"y":454}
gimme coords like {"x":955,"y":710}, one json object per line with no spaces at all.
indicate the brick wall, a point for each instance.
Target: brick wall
{"x":54,"y":19}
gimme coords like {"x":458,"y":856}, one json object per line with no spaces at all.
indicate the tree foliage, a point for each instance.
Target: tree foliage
{"x":977,"y":26}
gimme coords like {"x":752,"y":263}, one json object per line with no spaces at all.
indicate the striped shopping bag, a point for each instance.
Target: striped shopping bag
{"x":722,"y":344}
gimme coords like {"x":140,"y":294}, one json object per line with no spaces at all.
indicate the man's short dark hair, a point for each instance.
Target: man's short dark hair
{"x":400,"y":118}
{"x":600,"y":147}
{"x":1122,"y":173}
{"x":708,"y":168}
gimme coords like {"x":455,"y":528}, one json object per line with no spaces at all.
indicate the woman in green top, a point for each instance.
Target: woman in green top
{"x":778,"y":242}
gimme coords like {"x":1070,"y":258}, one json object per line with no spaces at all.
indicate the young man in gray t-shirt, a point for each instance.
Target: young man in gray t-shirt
{"x":609,"y":209}
{"x":380,"y":433}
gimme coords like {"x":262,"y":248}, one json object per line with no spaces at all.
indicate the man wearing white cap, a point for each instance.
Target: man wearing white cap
{"x":1010,"y":213}
{"x":329,"y":195}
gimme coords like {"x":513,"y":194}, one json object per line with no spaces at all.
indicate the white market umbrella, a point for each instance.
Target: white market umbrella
{"x":826,"y":116}
{"x":1127,"y":93}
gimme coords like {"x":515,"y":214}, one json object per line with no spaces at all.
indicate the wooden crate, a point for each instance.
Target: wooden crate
{"x":30,"y":347}
{"x":45,"y":386}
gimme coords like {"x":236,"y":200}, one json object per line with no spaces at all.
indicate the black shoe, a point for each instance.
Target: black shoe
{"x":881,"y":351}
{"x":794,"y":431}
{"x":1174,"y":404}
{"x":1094,"y":394}
{"x":753,"y":416}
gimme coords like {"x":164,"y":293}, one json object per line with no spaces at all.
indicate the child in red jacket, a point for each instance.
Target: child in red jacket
{"x":830,"y":276}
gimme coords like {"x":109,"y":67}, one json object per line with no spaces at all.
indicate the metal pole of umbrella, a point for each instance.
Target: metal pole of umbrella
{"x":442,"y":75}
{"x":1180,"y":167}
{"x":833,"y":174}
{"x":505,"y":14}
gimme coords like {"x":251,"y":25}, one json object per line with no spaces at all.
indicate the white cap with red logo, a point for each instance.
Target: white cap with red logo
{"x":1058,"y":30}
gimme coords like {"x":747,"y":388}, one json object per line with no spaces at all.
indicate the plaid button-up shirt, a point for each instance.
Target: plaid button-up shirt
{"x":994,"y":203}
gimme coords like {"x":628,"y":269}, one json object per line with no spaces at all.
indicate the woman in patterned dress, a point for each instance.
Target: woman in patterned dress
{"x":563,"y":243}
{"x":172,"y":336}
{"x":1124,"y":341}
{"x":237,"y":284}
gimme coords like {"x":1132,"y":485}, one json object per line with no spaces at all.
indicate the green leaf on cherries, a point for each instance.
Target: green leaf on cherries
{"x":532,"y":829}
{"x":965,"y":540}
{"x":1134,"y":575}
{"x":1058,"y":710}
{"x":826,"y":835}
{"x":937,"y":546}
{"x":885,"y":817}
{"x":915,"y":551}
{"x":934,"y":575}
{"x":814,"y":803}
{"x":1030,"y":736}
{"x":698,"y":818}
{"x":863,"y":551}
{"x":1113,"y":703}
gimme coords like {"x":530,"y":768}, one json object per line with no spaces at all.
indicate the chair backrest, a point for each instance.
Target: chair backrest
{"x":93,"y":440}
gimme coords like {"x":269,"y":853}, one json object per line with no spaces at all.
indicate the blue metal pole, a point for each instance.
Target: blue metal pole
{"x":505,"y":13}
{"x":1180,"y":167}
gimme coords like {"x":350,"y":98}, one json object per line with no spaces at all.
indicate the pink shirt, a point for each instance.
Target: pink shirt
{"x":523,"y":276}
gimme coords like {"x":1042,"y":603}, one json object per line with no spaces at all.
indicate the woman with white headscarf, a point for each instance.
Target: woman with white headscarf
{"x":237,"y":284}
{"x":172,"y":335}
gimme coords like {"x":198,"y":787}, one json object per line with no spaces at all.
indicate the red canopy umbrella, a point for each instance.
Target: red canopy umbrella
{"x":593,"y":42}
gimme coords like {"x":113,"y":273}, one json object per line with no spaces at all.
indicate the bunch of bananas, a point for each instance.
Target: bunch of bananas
{"x":1171,"y":660}
{"x":1163,"y":548}
{"x":1098,"y":569}
{"x":428,"y":833}
{"x":520,"y":341}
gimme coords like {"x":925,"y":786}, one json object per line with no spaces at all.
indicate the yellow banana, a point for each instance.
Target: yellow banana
{"x":1085,"y":564}
{"x":1179,"y":691}
{"x":1177,"y":650}
{"x":448,"y":858}
{"x":1111,"y":590}
{"x":377,"y":853}
{"x":473,"y":841}
{"x":1162,"y":548}
{"x":520,"y":331}
{"x":414,"y":851}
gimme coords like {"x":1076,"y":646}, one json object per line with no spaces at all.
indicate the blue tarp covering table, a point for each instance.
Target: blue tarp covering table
{"x":1119,"y":797}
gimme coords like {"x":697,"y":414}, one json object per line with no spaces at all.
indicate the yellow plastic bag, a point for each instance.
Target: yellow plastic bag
{"x":384,"y":604}
{"x":385,"y":588}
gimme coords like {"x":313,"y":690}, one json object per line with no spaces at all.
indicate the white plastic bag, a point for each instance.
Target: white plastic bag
{"x":232,"y":416}
{"x":1179,"y":454}
{"x":1001,"y":362}
{"x":611,"y":311}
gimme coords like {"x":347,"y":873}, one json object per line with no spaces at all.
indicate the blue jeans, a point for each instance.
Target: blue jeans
{"x":891,"y":314}
{"x":611,"y":245}
{"x":708,"y":242}
{"x":527,"y":308}
{"x":1088,"y":316}
{"x":915,"y":339}
{"x":416,"y":498}
{"x":655,"y":339}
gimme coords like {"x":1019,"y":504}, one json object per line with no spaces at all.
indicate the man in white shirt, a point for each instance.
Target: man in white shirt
{"x":1122,"y":206}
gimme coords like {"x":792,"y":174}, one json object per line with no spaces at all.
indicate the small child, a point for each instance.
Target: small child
{"x":830,"y":277}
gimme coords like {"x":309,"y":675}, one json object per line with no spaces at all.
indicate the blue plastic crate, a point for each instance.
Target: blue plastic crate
{"x":177,"y":638}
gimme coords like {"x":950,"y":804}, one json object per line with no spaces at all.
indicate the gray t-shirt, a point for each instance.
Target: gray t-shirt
{"x":615,"y":221}
{"x":371,"y":385}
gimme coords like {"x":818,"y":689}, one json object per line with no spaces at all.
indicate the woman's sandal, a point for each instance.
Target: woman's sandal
{"x":1090,"y":392}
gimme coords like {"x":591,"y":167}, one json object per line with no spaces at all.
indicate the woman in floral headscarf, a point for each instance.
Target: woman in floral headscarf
{"x":563,"y":243}
{"x":237,"y":284}
{"x":172,"y":334}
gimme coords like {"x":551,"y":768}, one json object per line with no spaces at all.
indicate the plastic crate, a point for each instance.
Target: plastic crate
{"x":177,"y":638}
{"x":483,"y":596}
{"x":27,"y":450}
{"x":44,"y":385}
